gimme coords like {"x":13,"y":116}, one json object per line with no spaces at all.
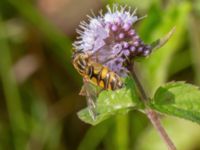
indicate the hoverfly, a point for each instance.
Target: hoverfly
{"x":94,"y":73}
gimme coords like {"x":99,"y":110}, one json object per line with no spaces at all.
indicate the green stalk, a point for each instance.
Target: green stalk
{"x":122,"y":132}
{"x":17,"y":119}
{"x":195,"y":44}
{"x":95,"y":135}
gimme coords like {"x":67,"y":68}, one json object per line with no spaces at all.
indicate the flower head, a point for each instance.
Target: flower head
{"x":111,"y":40}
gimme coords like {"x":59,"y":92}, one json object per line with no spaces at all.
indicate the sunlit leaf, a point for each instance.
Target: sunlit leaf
{"x":178,"y":99}
{"x":112,"y":102}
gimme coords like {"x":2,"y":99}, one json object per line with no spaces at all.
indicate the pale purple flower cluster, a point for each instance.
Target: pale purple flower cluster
{"x":110,"y":39}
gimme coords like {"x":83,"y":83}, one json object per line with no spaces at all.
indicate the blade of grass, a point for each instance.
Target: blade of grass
{"x":95,"y":135}
{"x":195,"y":42}
{"x":180,"y":61}
{"x":61,"y":45}
{"x":122,"y":132}
{"x":14,"y":106}
{"x":156,"y":66}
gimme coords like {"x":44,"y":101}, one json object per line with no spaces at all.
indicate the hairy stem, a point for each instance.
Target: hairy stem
{"x":151,"y":114}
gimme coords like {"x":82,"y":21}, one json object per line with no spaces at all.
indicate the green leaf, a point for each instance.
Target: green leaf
{"x":160,"y":42}
{"x":112,"y":102}
{"x":178,"y":99}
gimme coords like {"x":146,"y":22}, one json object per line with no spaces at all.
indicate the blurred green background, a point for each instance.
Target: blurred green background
{"x":39,"y":87}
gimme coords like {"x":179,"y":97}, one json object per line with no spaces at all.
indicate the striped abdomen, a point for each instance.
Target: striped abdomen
{"x":103,"y":77}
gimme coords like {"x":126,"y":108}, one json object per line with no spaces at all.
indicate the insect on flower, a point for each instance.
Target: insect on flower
{"x":105,"y":45}
{"x":97,"y":74}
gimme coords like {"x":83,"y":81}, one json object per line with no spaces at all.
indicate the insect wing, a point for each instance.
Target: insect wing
{"x":104,"y":56}
{"x":91,"y":92}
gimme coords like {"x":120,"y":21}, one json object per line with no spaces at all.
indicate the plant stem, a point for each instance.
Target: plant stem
{"x":155,"y":120}
{"x":151,"y":114}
